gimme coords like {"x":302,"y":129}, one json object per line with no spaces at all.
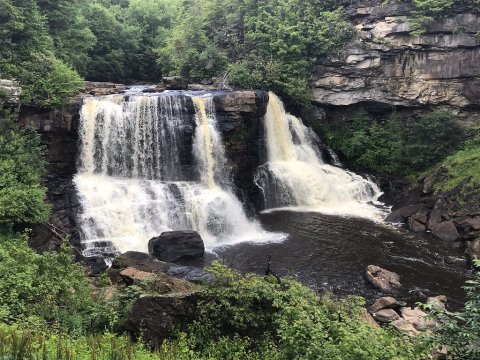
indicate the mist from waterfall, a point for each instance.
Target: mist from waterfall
{"x":133,"y":183}
{"x":295,"y":175}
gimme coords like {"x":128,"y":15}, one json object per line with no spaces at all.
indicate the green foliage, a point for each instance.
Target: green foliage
{"x":40,"y":289}
{"x":427,"y":11}
{"x":460,"y":331}
{"x":27,"y":54}
{"x":397,"y":146}
{"x":461,"y":171}
{"x":290,"y":320}
{"x":21,"y":168}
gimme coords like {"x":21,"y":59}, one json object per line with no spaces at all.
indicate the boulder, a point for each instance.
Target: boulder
{"x":96,"y":265}
{"x":437,"y":302}
{"x":175,"y":83}
{"x":445,"y":230}
{"x":401,"y":214}
{"x":140,"y":261}
{"x":147,"y":263}
{"x":237,"y":101}
{"x":155,"y":318}
{"x":416,"y":317}
{"x":473,"y":249}
{"x":176,"y":245}
{"x":131,"y":275}
{"x":415,"y":225}
{"x":382,"y":279}
{"x":406,"y":328}
{"x":386,"y":302}
{"x":369,"y":320}
{"x":386,"y":315}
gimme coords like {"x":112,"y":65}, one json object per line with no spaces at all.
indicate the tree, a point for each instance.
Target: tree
{"x":21,"y":167}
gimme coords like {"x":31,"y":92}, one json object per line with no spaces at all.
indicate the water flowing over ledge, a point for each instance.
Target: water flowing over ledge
{"x":296,"y":177}
{"x":151,"y":163}
{"x":133,"y":183}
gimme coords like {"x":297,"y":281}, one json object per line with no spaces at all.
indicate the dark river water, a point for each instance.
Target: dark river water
{"x":331,"y":253}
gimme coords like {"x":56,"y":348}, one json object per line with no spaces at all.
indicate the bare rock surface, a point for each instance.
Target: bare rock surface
{"x":382,"y":279}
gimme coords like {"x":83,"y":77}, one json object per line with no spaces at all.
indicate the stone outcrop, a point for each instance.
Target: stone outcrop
{"x":148,"y":264}
{"x":387,"y":66}
{"x":386,"y":281}
{"x":176,"y":245}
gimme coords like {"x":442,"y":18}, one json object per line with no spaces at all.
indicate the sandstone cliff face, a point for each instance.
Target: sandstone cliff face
{"x":385,"y":65}
{"x":11,"y":90}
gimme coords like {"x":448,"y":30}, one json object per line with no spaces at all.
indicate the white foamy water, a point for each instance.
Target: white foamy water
{"x":295,"y":176}
{"x":133,"y":183}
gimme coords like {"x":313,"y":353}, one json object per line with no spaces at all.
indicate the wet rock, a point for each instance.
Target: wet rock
{"x":445,"y":230}
{"x":155,"y":318}
{"x":385,"y":315}
{"x":437,"y":302}
{"x":96,"y":265}
{"x":175,"y":83}
{"x":454,"y":260}
{"x":416,"y":226}
{"x":436,"y":215}
{"x":103,"y":88}
{"x":384,"y":280}
{"x":473,"y":249}
{"x":420,"y":217}
{"x":237,"y":101}
{"x":474,"y":222}
{"x":176,"y":245}
{"x":400,"y":215}
{"x":140,"y":261}
{"x":190,"y":273}
{"x":386,"y":302}
{"x":147,"y":263}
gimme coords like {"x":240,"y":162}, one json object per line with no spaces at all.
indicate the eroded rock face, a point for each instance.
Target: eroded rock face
{"x":386,"y":65}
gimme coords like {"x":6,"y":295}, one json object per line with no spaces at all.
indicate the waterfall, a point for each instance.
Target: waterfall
{"x":135,"y":177}
{"x":296,"y":176}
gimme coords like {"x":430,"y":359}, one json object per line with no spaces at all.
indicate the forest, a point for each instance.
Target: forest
{"x":51,"y":309}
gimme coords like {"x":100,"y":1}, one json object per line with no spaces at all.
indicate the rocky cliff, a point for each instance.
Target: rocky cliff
{"x":384,"y":67}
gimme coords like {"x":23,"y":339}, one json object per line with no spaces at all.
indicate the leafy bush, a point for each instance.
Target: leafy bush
{"x":290,"y":320}
{"x":461,"y":171}
{"x":43,"y":289}
{"x":460,"y":331}
{"x":21,"y":167}
{"x":397,"y":146}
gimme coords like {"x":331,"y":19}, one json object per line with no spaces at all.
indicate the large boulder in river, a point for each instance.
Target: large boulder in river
{"x":386,"y":302}
{"x":176,"y":245}
{"x":382,"y":279}
{"x":445,"y":230}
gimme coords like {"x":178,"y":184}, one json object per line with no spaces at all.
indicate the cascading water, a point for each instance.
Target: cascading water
{"x":296,"y":176}
{"x":133,"y":181}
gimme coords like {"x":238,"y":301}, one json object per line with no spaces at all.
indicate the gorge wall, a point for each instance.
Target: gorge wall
{"x":386,"y":67}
